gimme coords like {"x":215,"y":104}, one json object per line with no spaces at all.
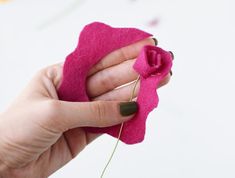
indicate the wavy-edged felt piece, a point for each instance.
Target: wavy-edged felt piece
{"x":95,"y":42}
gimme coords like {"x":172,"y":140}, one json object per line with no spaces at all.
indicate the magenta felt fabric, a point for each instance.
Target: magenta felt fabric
{"x":96,"y":41}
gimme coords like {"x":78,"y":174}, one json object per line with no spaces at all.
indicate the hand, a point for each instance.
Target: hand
{"x":39,"y":133}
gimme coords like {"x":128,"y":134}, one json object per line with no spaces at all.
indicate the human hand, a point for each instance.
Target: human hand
{"x":39,"y":133}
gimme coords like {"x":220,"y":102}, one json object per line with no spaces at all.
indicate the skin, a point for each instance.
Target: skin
{"x":39,"y":134}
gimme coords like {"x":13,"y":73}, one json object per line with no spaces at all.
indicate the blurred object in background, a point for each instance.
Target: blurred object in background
{"x":3,"y":1}
{"x":61,"y":14}
{"x":153,"y":22}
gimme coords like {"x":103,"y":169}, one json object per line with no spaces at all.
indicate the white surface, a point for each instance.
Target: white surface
{"x":192,"y":132}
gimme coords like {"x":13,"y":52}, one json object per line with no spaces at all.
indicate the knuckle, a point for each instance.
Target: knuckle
{"x":51,"y":108}
{"x":124,"y":53}
{"x":107,"y":80}
{"x":51,"y":120}
{"x":165,"y":81}
{"x":100,"y":65}
{"x":49,"y":71}
{"x":41,"y":72}
{"x":99,"y":110}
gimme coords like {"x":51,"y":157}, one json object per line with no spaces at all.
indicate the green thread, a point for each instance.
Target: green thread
{"x":120,"y":133}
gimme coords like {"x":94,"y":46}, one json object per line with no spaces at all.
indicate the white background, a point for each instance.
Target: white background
{"x":192,"y":133}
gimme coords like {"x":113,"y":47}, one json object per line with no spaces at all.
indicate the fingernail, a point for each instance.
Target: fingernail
{"x":172,"y":55}
{"x":128,"y":108}
{"x":171,"y":73}
{"x":155,"y":41}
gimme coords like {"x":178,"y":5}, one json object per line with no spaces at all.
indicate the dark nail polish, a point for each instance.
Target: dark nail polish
{"x":171,"y":73}
{"x":155,"y":41}
{"x":128,"y":108}
{"x":172,"y":55}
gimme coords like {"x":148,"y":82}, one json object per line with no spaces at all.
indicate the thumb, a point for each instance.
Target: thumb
{"x":94,"y":114}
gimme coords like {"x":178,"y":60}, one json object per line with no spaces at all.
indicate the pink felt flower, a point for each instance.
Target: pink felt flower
{"x":153,"y":64}
{"x":153,"y":61}
{"x":96,"y":41}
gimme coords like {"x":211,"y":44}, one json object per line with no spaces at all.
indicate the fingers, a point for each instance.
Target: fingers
{"x":77,"y":139}
{"x":69,"y":115}
{"x":123,"y":54}
{"x":110,"y":78}
{"x":92,"y":136}
{"x":120,"y":55}
{"x":124,"y":93}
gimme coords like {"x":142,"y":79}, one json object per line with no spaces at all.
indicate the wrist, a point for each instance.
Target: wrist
{"x":3,"y":168}
{"x":2,"y":165}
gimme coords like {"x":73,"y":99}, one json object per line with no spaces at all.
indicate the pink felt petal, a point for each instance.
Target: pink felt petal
{"x":96,"y":41}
